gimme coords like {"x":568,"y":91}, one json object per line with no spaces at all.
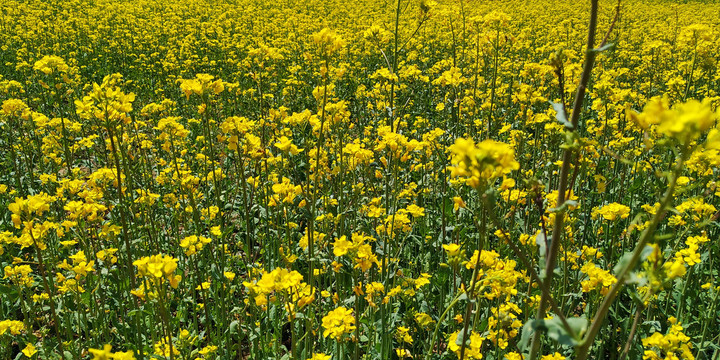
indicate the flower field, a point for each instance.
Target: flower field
{"x":408,"y":179}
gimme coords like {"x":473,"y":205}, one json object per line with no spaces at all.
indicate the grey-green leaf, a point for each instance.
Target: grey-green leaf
{"x":560,"y":110}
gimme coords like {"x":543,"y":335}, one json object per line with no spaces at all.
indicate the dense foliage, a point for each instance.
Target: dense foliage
{"x":290,"y":179}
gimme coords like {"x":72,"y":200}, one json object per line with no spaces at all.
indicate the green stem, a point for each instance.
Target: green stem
{"x":558,"y":225}
{"x":584,"y":347}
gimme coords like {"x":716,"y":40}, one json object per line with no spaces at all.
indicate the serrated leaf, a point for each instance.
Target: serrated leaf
{"x":653,"y":324}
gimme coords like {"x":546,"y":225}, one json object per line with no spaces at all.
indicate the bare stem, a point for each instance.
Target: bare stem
{"x":564,"y":172}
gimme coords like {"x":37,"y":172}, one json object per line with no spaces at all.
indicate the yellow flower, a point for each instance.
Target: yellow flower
{"x":29,"y":350}
{"x":202,"y":84}
{"x":341,"y":246}
{"x":673,"y":345}
{"x":377,"y":34}
{"x":415,"y":210}
{"x":423,"y":319}
{"x":338,"y":322}
{"x":192,"y":244}
{"x":13,"y":107}
{"x":15,"y":327}
{"x":403,"y":334}
{"x":102,"y":354}
{"x":279,"y":279}
{"x":208,"y":350}
{"x":513,"y":356}
{"x":285,"y":144}
{"x":19,"y":274}
{"x":32,"y":205}
{"x":125,"y":355}
{"x":452,"y":77}
{"x":51,"y":63}
{"x":328,"y":41}
{"x":597,"y":278}
{"x":215,"y":230}
{"x":684,"y":122}
{"x":687,"y":120}
{"x":320,"y":356}
{"x":285,"y":191}
{"x":452,"y":249}
{"x":458,"y":203}
{"x":157,"y":267}
{"x":479,"y":163}
{"x":472,"y":347}
{"x":612,"y":212}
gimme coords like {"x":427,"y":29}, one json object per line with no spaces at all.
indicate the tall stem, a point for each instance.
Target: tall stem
{"x":391,"y":117}
{"x":47,"y":283}
{"x":122,"y":204}
{"x":564,"y":172}
{"x":471,"y":290}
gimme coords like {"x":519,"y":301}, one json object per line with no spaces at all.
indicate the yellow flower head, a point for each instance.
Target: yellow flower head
{"x":338,"y":322}
{"x":479,"y":163}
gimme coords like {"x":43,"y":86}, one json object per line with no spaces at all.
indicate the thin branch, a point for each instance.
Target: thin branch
{"x":564,"y":173}
{"x":612,"y":25}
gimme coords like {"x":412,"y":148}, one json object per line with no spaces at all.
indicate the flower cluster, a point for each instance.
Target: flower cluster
{"x":159,"y":267}
{"x":672,"y":345}
{"x":106,"y":354}
{"x":478,"y":163}
{"x":612,"y":212}
{"x":473,"y":344}
{"x":597,"y":278}
{"x":338,"y":322}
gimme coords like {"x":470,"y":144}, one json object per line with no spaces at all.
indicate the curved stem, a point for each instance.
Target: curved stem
{"x":440,"y":320}
{"x":633,"y":328}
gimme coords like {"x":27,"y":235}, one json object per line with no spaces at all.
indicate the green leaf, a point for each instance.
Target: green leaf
{"x":653,"y":325}
{"x":540,"y":240}
{"x":557,"y":331}
{"x":460,"y":338}
{"x":8,"y":290}
{"x":528,"y":329}
{"x":234,"y":327}
{"x":565,"y":205}
{"x":625,"y":259}
{"x":603,"y":48}
{"x":560,"y":110}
